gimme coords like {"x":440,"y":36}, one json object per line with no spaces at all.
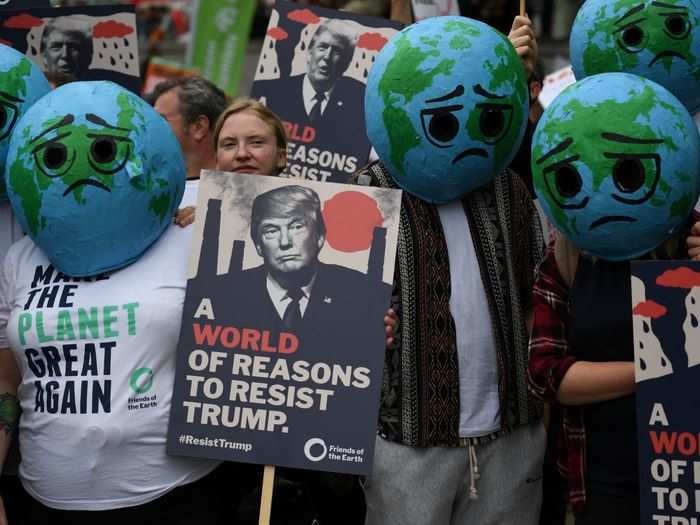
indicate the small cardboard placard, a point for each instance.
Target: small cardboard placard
{"x":77,"y":43}
{"x":666,"y":315}
{"x":329,"y":144}
{"x":254,"y":383}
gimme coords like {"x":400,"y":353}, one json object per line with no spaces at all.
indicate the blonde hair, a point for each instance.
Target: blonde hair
{"x":261,"y":111}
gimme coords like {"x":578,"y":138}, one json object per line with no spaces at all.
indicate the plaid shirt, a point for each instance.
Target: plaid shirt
{"x":549,"y":362}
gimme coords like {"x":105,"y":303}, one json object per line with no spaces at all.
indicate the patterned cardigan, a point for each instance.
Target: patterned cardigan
{"x":420,"y":390}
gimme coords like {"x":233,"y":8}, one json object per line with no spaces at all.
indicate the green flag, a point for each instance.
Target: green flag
{"x":221,"y":29}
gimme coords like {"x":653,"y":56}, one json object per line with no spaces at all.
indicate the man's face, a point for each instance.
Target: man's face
{"x":326,"y":60}
{"x":288,"y":244}
{"x":168,"y":106}
{"x":63,"y":53}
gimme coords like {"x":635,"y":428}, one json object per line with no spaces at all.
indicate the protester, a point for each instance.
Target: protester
{"x":191,"y":106}
{"x":95,"y":396}
{"x":460,"y":439}
{"x":250,"y":138}
{"x":582,"y":344}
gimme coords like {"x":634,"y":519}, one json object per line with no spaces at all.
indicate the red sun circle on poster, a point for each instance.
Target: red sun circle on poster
{"x":350,"y":218}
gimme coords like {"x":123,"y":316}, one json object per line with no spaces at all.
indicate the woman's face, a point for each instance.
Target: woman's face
{"x":247,"y":144}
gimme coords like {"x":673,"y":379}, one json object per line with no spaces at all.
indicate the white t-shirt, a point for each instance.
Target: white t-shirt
{"x":479,"y":401}
{"x":97,"y":361}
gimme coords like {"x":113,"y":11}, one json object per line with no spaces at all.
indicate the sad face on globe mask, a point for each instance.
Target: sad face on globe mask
{"x":659,"y":40}
{"x":615,"y":163}
{"x":446,"y":106}
{"x":94,"y":176}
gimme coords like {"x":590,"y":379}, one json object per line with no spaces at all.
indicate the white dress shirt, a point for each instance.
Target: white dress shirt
{"x":309,"y":93}
{"x":280,"y":298}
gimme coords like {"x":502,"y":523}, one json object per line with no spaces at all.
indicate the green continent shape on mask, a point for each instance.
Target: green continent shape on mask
{"x":160,"y":204}
{"x":461,"y":41}
{"x":141,"y":178}
{"x":610,"y":58}
{"x":14,"y":83}
{"x":592,"y":153}
{"x":14,"y":79}
{"x":404,"y":77}
{"x":506,"y":75}
{"x":28,"y":185}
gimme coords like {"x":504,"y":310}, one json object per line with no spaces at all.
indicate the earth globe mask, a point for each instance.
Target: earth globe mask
{"x":659,"y":40}
{"x":21,"y":84}
{"x":615,"y":165}
{"x":94,"y":176}
{"x":446,"y":106}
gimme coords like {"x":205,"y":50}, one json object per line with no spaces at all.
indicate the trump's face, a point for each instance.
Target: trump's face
{"x":288,"y":244}
{"x":327,"y":60}
{"x":64,"y":53}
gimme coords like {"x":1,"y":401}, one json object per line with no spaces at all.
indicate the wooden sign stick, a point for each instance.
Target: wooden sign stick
{"x":522,"y":7}
{"x":266,"y":496}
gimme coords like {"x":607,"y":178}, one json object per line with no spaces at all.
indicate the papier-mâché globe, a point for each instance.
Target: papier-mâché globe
{"x":615,"y":163}
{"x":446,"y":106}
{"x":656,"y":40}
{"x":94,"y":176}
{"x":21,"y":84}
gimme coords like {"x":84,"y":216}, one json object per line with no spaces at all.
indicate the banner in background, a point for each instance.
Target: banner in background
{"x":103,"y":42}
{"x":325,"y":124}
{"x":666,"y":316}
{"x":220,"y":33}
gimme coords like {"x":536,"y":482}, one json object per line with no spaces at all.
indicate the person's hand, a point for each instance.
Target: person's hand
{"x":693,"y":242}
{"x":522,"y":36}
{"x":183,"y":217}
{"x":391,"y":323}
{"x":3,"y":516}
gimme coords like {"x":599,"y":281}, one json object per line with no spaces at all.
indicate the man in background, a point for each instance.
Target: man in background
{"x":191,"y":106}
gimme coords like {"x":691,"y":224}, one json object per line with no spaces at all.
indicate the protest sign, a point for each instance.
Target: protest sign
{"x":282,"y":344}
{"x":77,"y":43}
{"x":666,"y":310}
{"x":312,"y":72}
{"x":428,"y":8}
{"x":220,"y":33}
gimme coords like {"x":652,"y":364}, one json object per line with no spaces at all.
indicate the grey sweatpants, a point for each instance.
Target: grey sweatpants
{"x":431,"y":486}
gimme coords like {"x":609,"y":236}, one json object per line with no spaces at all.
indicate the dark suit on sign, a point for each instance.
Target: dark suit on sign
{"x":343,"y":119}
{"x":334,"y":317}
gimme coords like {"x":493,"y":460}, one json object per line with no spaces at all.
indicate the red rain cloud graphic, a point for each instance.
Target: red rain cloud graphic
{"x":111,"y":29}
{"x":350,"y":218}
{"x":303,"y":16}
{"x":682,"y":277}
{"x":371,"y":41}
{"x":277,"y":33}
{"x":23,"y":21}
{"x":650,"y":309}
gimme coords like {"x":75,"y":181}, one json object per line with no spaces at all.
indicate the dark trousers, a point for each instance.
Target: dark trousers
{"x":609,"y":509}
{"x":206,"y":501}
